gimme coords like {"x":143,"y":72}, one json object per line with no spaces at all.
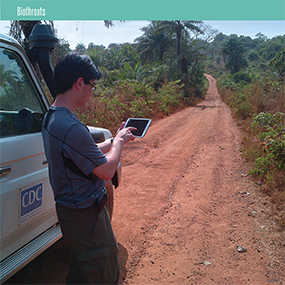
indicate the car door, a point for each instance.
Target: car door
{"x":26,"y":199}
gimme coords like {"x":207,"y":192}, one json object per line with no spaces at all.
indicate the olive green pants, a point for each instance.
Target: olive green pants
{"x":92,"y":244}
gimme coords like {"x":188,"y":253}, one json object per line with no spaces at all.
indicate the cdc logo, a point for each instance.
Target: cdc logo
{"x":31,"y":202}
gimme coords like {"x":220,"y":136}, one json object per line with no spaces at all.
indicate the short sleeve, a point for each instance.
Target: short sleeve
{"x":80,"y":147}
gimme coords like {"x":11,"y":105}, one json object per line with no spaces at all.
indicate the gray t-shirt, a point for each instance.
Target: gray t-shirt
{"x":72,"y":155}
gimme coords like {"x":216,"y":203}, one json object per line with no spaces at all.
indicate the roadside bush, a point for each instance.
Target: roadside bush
{"x":153,"y":75}
{"x":130,"y":98}
{"x":243,"y":110}
{"x":272,"y":137}
{"x":270,"y":165}
{"x":242,"y":77}
{"x":264,"y":133}
{"x":225,"y":82}
{"x":263,"y":94}
{"x":170,"y":97}
{"x":266,"y":94}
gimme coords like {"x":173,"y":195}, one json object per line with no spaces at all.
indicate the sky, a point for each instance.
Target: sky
{"x":126,"y":32}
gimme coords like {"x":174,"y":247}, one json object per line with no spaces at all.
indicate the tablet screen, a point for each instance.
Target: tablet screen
{"x":140,"y":124}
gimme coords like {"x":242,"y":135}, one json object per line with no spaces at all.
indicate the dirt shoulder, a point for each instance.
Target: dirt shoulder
{"x":185,"y":204}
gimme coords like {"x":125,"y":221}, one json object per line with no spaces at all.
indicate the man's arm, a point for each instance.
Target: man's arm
{"x":107,"y":170}
{"x":106,"y":145}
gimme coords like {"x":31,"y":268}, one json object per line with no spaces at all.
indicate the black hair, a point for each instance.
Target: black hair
{"x":72,"y":66}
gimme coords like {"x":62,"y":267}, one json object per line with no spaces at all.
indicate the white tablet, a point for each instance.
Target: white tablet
{"x":140,"y":124}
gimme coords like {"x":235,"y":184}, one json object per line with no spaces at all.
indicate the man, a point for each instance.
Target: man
{"x":78,"y":170}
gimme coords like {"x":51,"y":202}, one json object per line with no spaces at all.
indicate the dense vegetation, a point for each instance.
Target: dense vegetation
{"x":250,"y":76}
{"x":162,"y":71}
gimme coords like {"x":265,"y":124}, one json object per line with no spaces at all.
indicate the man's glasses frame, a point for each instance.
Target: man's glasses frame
{"x":93,"y":86}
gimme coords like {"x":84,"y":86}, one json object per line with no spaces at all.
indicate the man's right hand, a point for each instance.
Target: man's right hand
{"x":126,"y":134}
{"x":107,"y":170}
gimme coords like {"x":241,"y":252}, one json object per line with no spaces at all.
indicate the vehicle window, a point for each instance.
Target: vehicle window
{"x":21,"y":110}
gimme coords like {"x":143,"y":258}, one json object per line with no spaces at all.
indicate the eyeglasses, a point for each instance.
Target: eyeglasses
{"x":93,"y":86}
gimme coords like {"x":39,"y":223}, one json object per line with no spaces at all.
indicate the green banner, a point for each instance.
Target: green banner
{"x":143,"y":10}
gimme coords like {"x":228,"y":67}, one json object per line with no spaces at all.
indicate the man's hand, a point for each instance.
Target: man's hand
{"x":121,"y":127}
{"x":107,"y":170}
{"x":125,"y":134}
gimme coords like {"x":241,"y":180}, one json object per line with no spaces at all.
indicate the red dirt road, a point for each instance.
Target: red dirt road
{"x":183,"y":206}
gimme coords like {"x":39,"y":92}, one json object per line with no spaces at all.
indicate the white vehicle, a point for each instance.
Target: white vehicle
{"x":28,"y":219}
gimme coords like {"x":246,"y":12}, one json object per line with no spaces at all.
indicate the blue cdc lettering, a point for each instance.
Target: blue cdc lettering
{"x":31,"y":199}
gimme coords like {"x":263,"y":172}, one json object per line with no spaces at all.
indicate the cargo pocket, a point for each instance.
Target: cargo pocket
{"x":100,"y":262}
{"x":101,"y":270}
{"x":103,"y":235}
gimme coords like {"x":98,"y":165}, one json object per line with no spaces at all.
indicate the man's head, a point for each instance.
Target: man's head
{"x":70,"y":68}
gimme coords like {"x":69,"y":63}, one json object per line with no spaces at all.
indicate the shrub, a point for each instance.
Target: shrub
{"x":242,"y":77}
{"x":272,"y":137}
{"x":130,"y":98}
{"x":170,"y":97}
{"x":243,"y":110}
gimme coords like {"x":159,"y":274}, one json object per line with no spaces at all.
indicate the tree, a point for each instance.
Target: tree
{"x":261,"y":37}
{"x":233,"y":52}
{"x":214,"y":51}
{"x":110,"y":24}
{"x":268,"y":49}
{"x":207,"y":31}
{"x":115,"y":56}
{"x":97,"y":54}
{"x":61,"y":49}
{"x":278,"y":63}
{"x":91,"y":46}
{"x":129,"y":54}
{"x":153,"y":44}
{"x":179,"y":30}
{"x":80,"y":48}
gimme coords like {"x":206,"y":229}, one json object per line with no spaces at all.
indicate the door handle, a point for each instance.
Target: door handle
{"x":4,"y":170}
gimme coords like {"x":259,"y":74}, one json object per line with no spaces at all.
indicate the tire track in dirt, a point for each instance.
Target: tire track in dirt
{"x":179,"y":212}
